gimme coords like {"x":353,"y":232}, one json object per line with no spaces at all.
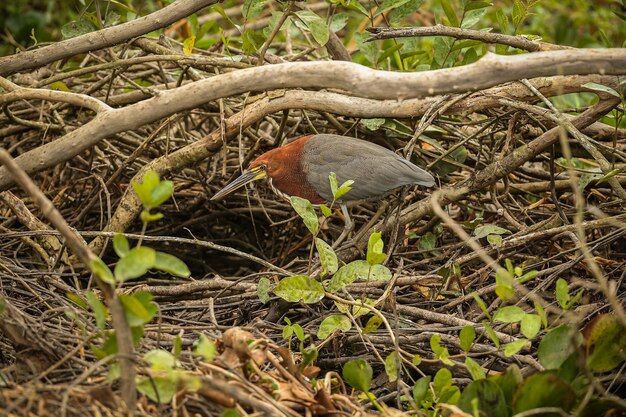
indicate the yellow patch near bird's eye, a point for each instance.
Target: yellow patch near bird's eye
{"x":260,"y":172}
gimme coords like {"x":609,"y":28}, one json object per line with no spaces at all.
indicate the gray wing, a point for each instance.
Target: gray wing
{"x":374,"y":169}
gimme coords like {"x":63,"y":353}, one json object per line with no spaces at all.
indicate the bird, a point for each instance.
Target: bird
{"x":302,"y":167}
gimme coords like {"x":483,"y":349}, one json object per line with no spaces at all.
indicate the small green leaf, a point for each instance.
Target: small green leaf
{"x":138,"y":307}
{"x":98,"y":308}
{"x":442,"y":380}
{"x":328,"y":259}
{"x":375,"y":245}
{"x":372,"y":124}
{"x":252,"y":8}
{"x":489,"y":229}
{"x":161,"y":192}
{"x":482,"y":305}
{"x":263,"y":290}
{"x":512,"y":348}
{"x":345,"y":187}
{"x":334,"y":185}
{"x":389,"y":5}
{"x":160,"y":360}
{"x":421,"y":390}
{"x":327,"y":212}
{"x":602,"y":88}
{"x":158,"y":389}
{"x":519,"y":13}
{"x":542,"y":314}
{"x":606,"y":343}
{"x":252,"y":41}
{"x":562,"y":293}
{"x":491,"y":333}
{"x":333,"y":323}
{"x":178,"y":346}
{"x":416,"y":360}
{"x":391,"y":366}
{"x":135,"y":264}
{"x":555,"y":347}
{"x":298,"y":331}
{"x":77,"y":28}
{"x":299,"y":288}
{"x":509,"y":314}
{"x":450,"y":13}
{"x":544,"y":389}
{"x":372,"y":324}
{"x":102,"y":271}
{"x":205,"y":348}
{"x":73,"y":298}
{"x":305,"y":210}
{"x":428,"y":242}
{"x":474,"y":369}
{"x":495,"y":240}
{"x":358,"y":374}
{"x":287,"y":331}
{"x":466,"y":337}
{"x":530,"y":326}
{"x":440,"y":352}
{"x":483,"y":397}
{"x":315,"y":24}
{"x":120,"y":245}
{"x":148,"y":217}
{"x":504,"y":285}
{"x":171,"y":264}
{"x":59,"y":86}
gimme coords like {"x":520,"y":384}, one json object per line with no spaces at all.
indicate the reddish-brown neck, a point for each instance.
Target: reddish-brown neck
{"x":284,"y":169}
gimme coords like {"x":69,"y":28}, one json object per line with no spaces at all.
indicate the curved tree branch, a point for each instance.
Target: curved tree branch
{"x":102,"y":38}
{"x":360,"y":81}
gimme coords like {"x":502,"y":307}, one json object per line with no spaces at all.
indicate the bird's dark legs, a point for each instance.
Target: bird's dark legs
{"x":349,"y":225}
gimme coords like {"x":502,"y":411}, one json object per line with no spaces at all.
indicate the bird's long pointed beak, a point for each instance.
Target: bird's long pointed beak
{"x":246,"y":177}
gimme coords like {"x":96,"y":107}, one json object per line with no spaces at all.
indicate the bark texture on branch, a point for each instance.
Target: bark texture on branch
{"x":101,"y":38}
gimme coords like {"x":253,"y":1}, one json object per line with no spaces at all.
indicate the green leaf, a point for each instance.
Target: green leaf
{"x":474,"y":369}
{"x":509,"y":314}
{"x":333,"y":323}
{"x":334,"y":185}
{"x":326,"y":211}
{"x":375,"y":245}
{"x":450,"y":14}
{"x":606,"y":343}
{"x":495,"y":240}
{"x":158,"y":389}
{"x":98,"y":308}
{"x":368,"y":49}
{"x":148,"y":217}
{"x":391,"y":366}
{"x":252,"y":8}
{"x":328,"y":258}
{"x":339,"y":21}
{"x":555,"y":347}
{"x":205,"y":348}
{"x":440,"y":352}
{"x":305,"y":210}
{"x":542,"y":314}
{"x":489,"y":229}
{"x":160,"y":360}
{"x":503,"y":20}
{"x":491,"y":333}
{"x":102,"y":271}
{"x":562,"y":293}
{"x":389,"y":5}
{"x":358,"y":374}
{"x":171,"y":264}
{"x":230,"y":412}
{"x":359,"y":269}
{"x":602,"y":88}
{"x":484,"y":397}
{"x":345,"y":187}
{"x":428,"y":242}
{"x":443,"y":380}
{"x":315,"y":24}
{"x":504,"y":285}
{"x":135,"y":264}
{"x":120,"y":245}
{"x":73,"y":298}
{"x":252,"y":41}
{"x":144,"y":188}
{"x":401,"y":12}
{"x":474,"y":5}
{"x":466,"y":337}
{"x":372,"y":324}
{"x":77,"y":28}
{"x":372,"y":124}
{"x":263,"y":290}
{"x":138,"y":307}
{"x":59,"y":86}
{"x":299,"y":288}
{"x":544,"y":389}
{"x":530,"y":325}
{"x":298,"y":331}
{"x":512,"y":348}
{"x":421,"y":390}
{"x":482,"y":305}
{"x":177,"y":346}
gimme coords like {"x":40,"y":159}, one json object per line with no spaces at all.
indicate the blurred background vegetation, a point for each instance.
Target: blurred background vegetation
{"x":577,"y":23}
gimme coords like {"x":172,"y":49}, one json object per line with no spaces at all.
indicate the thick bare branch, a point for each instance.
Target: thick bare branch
{"x":101,"y":38}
